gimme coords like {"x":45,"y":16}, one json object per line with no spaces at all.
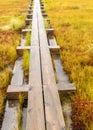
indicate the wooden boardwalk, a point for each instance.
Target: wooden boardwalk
{"x":44,"y":110}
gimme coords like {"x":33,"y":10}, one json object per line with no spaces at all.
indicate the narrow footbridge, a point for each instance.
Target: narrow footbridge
{"x":44,"y":110}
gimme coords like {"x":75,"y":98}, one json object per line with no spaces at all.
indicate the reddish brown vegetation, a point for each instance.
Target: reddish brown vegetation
{"x":82,"y":112}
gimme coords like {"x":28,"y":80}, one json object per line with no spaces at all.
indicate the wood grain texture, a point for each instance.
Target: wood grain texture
{"x":17,"y":78}
{"x":13,"y":91}
{"x":53,"y":110}
{"x":35,"y":112}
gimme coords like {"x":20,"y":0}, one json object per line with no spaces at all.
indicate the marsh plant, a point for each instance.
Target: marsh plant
{"x":74,"y":34}
{"x":21,"y":102}
{"x":26,"y":62}
{"x":28,"y":39}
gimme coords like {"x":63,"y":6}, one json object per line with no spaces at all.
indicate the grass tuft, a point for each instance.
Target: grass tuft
{"x":28,"y":39}
{"x":21,"y":102}
{"x":7,"y":56}
{"x":74,"y":33}
{"x":16,"y":23}
{"x":26,"y":59}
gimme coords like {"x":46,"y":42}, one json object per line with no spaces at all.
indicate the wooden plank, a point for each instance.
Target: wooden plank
{"x":29,"y":10}
{"x":30,"y":7}
{"x":66,"y":87}
{"x":30,"y":4}
{"x":23,"y":40}
{"x":23,"y":47}
{"x":42,"y":4}
{"x":44,"y":15}
{"x":14,"y":91}
{"x":62,"y":76}
{"x":34,"y":36}
{"x":50,"y":31}
{"x":29,"y":16}
{"x":63,"y":80}
{"x":43,"y":11}
{"x":53,"y":110}
{"x":10,"y":121}
{"x":35,"y":112}
{"x":42,"y":7}
{"x":52,"y":41}
{"x":35,"y":71}
{"x":20,"y":49}
{"x":17,"y":78}
{"x":54,"y":49}
{"x":28,"y":21}
{"x":26,"y":30}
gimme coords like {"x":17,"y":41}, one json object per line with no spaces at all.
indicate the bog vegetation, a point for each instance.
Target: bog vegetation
{"x":12,"y":15}
{"x":73,"y":24}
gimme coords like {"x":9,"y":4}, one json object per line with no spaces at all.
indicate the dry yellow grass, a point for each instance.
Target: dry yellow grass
{"x":12,"y":8}
{"x":73,"y":24}
{"x":12,"y":15}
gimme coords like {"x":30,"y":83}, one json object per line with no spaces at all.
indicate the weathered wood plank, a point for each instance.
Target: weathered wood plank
{"x":34,"y":36}
{"x":50,"y":31}
{"x":17,"y":78}
{"x":26,"y":30}
{"x":29,"y":16}
{"x":43,"y":11}
{"x":53,"y":110}
{"x":14,"y":91}
{"x":30,"y":7}
{"x":52,"y":42}
{"x":23,"y":47}
{"x":20,"y":49}
{"x":42,"y":7}
{"x":42,"y":4}
{"x":10,"y":121}
{"x":63,"y":80}
{"x":23,"y":40}
{"x":66,"y":87}
{"x":44,"y":15}
{"x":29,"y":10}
{"x":28,"y":21}
{"x":54,"y":49}
{"x":35,"y":113}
